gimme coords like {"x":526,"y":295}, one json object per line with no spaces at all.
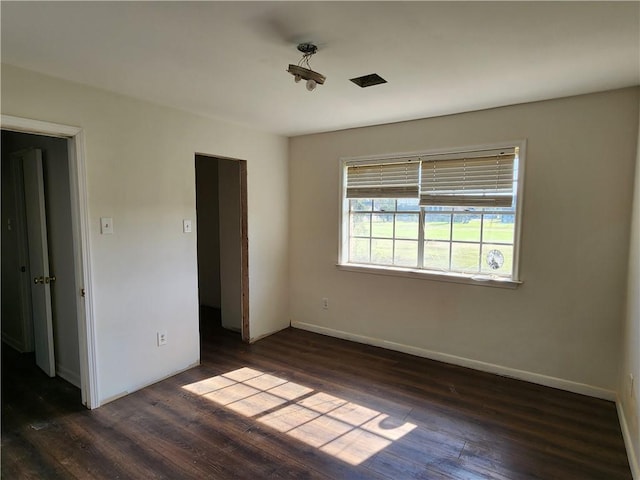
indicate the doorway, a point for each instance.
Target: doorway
{"x":64,"y":185}
{"x":221,"y":209}
{"x":23,"y":328}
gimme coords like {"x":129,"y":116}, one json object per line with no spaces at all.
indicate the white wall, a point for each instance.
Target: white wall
{"x":230,"y":244}
{"x":629,"y":400}
{"x":140,"y":171}
{"x":208,"y":231}
{"x":563,"y":325}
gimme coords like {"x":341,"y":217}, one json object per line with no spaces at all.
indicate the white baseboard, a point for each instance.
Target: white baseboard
{"x":265,"y":335}
{"x":626,"y":435}
{"x":70,"y":376}
{"x":140,"y":386}
{"x":537,"y":378}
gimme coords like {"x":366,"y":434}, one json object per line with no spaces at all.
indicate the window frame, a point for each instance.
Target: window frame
{"x":411,"y":272}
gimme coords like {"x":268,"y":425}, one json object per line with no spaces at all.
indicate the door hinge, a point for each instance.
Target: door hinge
{"x":82,"y":292}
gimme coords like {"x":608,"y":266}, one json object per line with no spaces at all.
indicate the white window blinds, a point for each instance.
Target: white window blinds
{"x":481,"y":181}
{"x":384,"y":180}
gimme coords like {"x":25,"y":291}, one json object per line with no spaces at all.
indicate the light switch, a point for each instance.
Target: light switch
{"x":106,"y":225}
{"x":186,"y":226}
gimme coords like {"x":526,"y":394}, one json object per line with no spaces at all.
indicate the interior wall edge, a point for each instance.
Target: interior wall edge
{"x":532,"y":377}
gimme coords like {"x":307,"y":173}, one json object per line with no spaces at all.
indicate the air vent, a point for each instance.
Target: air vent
{"x":368,"y":80}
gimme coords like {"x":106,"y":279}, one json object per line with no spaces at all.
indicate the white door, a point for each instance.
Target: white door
{"x":38,"y":260}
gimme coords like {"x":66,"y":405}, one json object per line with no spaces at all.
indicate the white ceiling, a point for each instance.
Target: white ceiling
{"x":228,"y":59}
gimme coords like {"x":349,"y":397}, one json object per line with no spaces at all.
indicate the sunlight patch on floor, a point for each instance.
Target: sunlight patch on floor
{"x":346,"y":430}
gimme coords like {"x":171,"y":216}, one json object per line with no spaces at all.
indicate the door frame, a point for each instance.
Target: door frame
{"x":81,"y":243}
{"x":244,"y":238}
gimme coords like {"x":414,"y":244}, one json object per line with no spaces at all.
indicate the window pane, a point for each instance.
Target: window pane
{"x":497,"y":260}
{"x":408,"y":205}
{"x":454,"y":238}
{"x":360,"y":204}
{"x":382,"y":225}
{"x":361,"y":224}
{"x":498,"y":228}
{"x":437,"y":226}
{"x":437,"y":208}
{"x":503,"y":210}
{"x":466,"y":227}
{"x":382,"y":252}
{"x":384,"y":205}
{"x":407,"y":225}
{"x":465,"y":257}
{"x":359,"y":250}
{"x":467,"y":210}
{"x":436,"y":255}
{"x":406,"y":253}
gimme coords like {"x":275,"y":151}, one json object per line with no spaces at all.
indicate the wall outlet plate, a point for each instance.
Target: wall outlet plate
{"x":162,"y":338}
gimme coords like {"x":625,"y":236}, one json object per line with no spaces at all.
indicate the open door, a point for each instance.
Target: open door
{"x":38,"y":259}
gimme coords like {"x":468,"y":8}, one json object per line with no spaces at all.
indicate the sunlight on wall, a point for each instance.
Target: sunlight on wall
{"x":346,"y":430}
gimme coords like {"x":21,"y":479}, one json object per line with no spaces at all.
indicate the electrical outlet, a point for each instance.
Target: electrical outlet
{"x":325,"y":303}
{"x":162,"y":338}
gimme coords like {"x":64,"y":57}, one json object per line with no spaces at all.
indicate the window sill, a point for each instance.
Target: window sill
{"x":433,"y":276}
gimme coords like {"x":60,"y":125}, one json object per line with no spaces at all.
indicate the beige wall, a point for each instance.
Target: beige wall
{"x":140,"y":171}
{"x":630,"y":399}
{"x":563,"y":325}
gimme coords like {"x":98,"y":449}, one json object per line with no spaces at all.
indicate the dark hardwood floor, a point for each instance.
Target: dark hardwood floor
{"x":298,"y":405}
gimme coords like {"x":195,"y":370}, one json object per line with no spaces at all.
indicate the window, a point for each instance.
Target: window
{"x":449,"y":214}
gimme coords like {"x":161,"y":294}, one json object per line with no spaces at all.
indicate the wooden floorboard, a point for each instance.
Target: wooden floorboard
{"x":311,"y":407}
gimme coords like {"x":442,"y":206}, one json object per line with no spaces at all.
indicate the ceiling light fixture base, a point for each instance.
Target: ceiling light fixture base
{"x":299,"y":72}
{"x":307,"y":48}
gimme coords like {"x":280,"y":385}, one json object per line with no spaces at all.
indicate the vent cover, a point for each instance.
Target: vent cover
{"x":368,"y":80}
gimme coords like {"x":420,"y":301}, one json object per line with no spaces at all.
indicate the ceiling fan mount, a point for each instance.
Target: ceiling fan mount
{"x":307,"y":48}
{"x":303,"y":71}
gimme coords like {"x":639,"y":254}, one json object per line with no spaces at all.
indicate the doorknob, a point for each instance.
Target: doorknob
{"x":50,"y":279}
{"x":38,"y":280}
